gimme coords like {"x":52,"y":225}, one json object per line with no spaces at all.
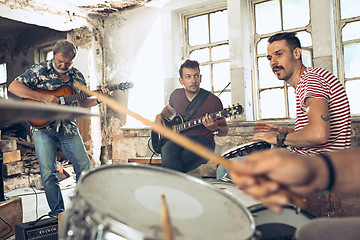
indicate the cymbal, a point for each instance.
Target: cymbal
{"x":16,"y":111}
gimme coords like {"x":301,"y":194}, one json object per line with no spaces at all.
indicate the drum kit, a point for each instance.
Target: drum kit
{"x":124,"y":201}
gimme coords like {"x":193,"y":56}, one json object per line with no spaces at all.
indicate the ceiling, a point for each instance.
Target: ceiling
{"x":10,"y":27}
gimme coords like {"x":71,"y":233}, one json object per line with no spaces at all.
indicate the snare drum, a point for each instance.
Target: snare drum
{"x":245,"y":149}
{"x":272,"y":225}
{"x":235,"y":191}
{"x":125,"y":201}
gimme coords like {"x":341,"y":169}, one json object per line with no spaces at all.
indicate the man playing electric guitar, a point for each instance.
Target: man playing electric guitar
{"x":201,"y":104}
{"x":51,"y":75}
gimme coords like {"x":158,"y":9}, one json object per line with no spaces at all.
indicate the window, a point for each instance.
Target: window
{"x":276,"y":99}
{"x":3,"y":78}
{"x":349,"y":70}
{"x":45,"y":53}
{"x":207,"y":41}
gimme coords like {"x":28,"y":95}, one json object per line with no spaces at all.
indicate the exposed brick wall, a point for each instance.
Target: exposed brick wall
{"x":130,"y":143}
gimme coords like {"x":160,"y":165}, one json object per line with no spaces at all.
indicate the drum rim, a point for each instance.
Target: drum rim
{"x":243,"y":145}
{"x":259,"y":207}
{"x":245,"y":209}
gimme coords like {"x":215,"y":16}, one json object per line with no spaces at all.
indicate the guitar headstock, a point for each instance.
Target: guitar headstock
{"x":232,"y":111}
{"x":125,"y":85}
{"x":122,"y":86}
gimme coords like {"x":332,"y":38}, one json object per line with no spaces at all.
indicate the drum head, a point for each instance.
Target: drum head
{"x":234,"y":191}
{"x":131,"y":194}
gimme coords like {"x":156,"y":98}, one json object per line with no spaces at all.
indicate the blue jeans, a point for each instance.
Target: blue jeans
{"x":222,"y":173}
{"x":72,"y":146}
{"x":180,"y":159}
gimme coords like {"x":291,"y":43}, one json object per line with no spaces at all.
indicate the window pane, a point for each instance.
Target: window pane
{"x":3,"y":74}
{"x":220,"y":52}
{"x":262,"y":46}
{"x":352,"y":91}
{"x":49,"y":55}
{"x":349,"y":8}
{"x":305,"y":38}
{"x":263,"y":13}
{"x":351,"y":31}
{"x":225,"y":98}
{"x":205,"y":80}
{"x":201,"y":55}
{"x":292,"y":102}
{"x":272,"y":104}
{"x":221,"y":75}
{"x":352,"y":60}
{"x":295,"y":13}
{"x":198,"y":30}
{"x":266,"y":77}
{"x":306,"y":58}
{"x":219,"y":26}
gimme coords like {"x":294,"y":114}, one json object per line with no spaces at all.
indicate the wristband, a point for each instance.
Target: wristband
{"x":330,"y":170}
{"x":280,"y":139}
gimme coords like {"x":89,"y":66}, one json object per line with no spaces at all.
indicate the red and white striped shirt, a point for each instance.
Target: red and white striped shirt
{"x":320,"y":83}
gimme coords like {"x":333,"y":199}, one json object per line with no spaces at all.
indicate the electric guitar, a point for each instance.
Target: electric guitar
{"x":178,"y":125}
{"x":66,"y":96}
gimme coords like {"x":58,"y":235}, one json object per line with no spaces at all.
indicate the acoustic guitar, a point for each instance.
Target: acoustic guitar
{"x":178,"y":125}
{"x":66,"y":96}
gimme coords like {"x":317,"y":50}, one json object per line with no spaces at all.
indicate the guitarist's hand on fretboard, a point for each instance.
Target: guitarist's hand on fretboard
{"x":209,"y":123}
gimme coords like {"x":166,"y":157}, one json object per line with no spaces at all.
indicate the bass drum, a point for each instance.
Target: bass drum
{"x":272,"y":225}
{"x":124,"y":202}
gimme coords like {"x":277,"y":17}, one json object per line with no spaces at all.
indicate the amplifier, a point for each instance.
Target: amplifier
{"x":44,"y":229}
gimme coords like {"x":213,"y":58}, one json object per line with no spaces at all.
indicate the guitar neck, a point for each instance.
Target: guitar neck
{"x":78,"y":96}
{"x":83,"y":95}
{"x":195,"y":122}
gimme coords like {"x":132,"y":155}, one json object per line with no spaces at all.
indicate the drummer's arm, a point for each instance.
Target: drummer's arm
{"x":22,"y":91}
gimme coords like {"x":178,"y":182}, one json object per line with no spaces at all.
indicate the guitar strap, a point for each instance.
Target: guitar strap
{"x":196,"y":103}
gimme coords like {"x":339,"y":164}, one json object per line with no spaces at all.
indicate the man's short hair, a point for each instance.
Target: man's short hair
{"x":188,"y":64}
{"x":290,"y":37}
{"x":65,"y":47}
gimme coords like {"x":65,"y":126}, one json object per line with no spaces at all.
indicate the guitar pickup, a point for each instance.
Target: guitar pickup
{"x":62,"y":101}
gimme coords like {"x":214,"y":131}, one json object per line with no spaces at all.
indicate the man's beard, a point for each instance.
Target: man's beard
{"x":59,"y":70}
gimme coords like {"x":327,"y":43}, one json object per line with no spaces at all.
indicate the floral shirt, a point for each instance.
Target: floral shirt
{"x":43,"y":76}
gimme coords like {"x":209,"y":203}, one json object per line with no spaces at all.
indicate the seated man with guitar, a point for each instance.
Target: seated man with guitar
{"x":51,"y":75}
{"x":191,"y":102}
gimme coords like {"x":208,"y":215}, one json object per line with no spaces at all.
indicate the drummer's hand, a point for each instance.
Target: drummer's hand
{"x":269,"y":137}
{"x":210,"y":123}
{"x":267,"y":127}
{"x":281,"y":168}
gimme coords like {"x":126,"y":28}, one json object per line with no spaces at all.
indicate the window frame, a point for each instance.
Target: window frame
{"x":256,"y":39}
{"x":187,"y":49}
{"x":340,"y":24}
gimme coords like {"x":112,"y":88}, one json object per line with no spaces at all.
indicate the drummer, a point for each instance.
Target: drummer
{"x":338,"y":172}
{"x":322,"y":108}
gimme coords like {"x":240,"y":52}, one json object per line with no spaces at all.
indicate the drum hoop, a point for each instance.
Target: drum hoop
{"x":245,"y":147}
{"x":245,"y":210}
{"x":259,"y":207}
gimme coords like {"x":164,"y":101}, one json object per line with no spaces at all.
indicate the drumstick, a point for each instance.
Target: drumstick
{"x":165,"y":219}
{"x":179,"y":139}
